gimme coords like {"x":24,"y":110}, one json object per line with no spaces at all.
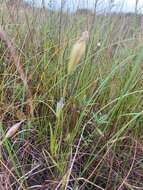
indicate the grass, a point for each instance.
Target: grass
{"x":92,"y":137}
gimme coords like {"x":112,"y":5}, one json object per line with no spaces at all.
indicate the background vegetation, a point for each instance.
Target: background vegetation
{"x":89,"y":139}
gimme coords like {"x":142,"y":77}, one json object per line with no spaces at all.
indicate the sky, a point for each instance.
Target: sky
{"x":124,"y":5}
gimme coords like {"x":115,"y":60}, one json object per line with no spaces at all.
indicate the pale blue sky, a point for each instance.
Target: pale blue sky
{"x":124,"y":5}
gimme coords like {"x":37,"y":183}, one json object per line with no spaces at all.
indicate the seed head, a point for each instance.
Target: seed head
{"x":77,"y":52}
{"x":59,"y":108}
{"x":12,"y":131}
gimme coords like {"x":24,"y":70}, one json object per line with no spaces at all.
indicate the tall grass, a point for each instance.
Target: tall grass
{"x":88,"y":138}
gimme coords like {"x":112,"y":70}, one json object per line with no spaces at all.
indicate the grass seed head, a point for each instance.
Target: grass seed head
{"x":12,"y":131}
{"x":77,"y":52}
{"x":59,"y":108}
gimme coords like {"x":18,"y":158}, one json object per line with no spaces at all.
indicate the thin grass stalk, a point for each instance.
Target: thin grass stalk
{"x":4,"y":38}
